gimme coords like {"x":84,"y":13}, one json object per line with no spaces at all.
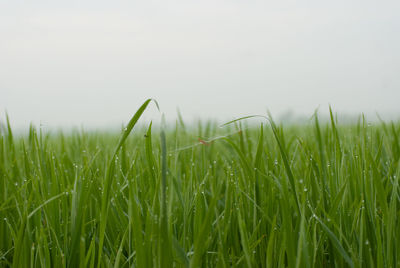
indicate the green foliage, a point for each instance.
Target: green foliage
{"x":317,"y":195}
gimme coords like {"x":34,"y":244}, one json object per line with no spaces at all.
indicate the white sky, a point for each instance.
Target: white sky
{"x":66,"y":63}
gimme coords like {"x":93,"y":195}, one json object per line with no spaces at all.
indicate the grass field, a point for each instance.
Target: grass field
{"x":314,"y":195}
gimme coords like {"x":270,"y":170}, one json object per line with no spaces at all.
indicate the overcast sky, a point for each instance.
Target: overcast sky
{"x":66,"y":63}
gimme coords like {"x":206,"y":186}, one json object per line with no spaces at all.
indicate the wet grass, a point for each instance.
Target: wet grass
{"x":315,"y":195}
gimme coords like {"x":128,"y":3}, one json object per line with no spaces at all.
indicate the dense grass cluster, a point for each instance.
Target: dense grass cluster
{"x":317,"y":195}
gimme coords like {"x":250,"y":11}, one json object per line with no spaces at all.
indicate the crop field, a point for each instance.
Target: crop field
{"x":318,"y":194}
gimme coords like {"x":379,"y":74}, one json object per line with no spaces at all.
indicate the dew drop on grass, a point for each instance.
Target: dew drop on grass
{"x":305,"y":189}
{"x":215,"y":162}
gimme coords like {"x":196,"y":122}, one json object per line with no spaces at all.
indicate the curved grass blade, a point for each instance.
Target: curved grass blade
{"x":109,"y":173}
{"x":243,"y":118}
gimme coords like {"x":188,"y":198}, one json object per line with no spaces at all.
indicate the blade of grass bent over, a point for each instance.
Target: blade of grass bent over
{"x":109,"y":173}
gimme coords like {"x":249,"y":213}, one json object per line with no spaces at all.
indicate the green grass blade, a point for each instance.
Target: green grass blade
{"x":108,"y":178}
